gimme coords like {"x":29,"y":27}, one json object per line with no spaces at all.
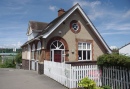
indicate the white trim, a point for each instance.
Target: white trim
{"x":33,"y":47}
{"x":33,"y":59}
{"x":39,"y":46}
{"x":70,"y":12}
{"x":86,"y":49}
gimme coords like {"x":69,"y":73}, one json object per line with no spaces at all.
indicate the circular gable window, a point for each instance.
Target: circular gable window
{"x":75,"y":26}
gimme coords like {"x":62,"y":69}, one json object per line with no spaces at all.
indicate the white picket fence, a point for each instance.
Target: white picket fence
{"x":70,"y":76}
{"x":116,"y":77}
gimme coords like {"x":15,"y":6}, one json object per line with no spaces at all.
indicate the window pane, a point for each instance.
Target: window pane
{"x":51,"y":55}
{"x":59,"y":43}
{"x":88,"y":45}
{"x":52,"y":46}
{"x":88,"y":55}
{"x":84,"y":45}
{"x":62,"y":47}
{"x":55,"y":43}
{"x":84,"y":55}
{"x":80,"y":55}
{"x":79,"y":45}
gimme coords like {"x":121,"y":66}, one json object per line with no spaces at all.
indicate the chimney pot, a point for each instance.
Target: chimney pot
{"x":61,"y":11}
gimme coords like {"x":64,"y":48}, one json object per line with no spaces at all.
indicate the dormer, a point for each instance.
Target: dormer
{"x":34,"y":28}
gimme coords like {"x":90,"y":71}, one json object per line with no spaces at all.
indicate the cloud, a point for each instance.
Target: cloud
{"x":18,"y":2}
{"x":91,"y":7}
{"x":14,"y":45}
{"x":127,"y":14}
{"x":52,"y":8}
{"x":87,"y":3}
{"x":113,"y":47}
{"x":115,"y":33}
{"x":116,"y":26}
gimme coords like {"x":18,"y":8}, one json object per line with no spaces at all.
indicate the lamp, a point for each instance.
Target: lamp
{"x":60,"y":32}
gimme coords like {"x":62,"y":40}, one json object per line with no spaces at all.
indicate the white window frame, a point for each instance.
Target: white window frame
{"x":85,"y":49}
{"x":33,"y":52}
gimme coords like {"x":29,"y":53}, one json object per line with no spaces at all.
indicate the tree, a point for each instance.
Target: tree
{"x":18,"y":58}
{"x":0,"y":58}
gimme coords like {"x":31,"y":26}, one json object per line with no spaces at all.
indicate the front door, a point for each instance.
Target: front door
{"x":57,"y":51}
{"x":57,"y":55}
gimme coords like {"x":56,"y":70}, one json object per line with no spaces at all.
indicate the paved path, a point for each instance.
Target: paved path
{"x":25,"y":79}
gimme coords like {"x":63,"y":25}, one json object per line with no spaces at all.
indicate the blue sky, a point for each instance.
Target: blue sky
{"x":110,"y":17}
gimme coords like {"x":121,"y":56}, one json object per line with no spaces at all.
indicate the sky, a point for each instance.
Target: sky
{"x":110,"y":17}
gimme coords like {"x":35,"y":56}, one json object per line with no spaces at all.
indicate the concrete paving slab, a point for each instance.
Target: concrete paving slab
{"x":25,"y":79}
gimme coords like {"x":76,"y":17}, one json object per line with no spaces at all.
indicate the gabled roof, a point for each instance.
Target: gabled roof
{"x":56,"y":22}
{"x":37,"y":26}
{"x":124,"y":46}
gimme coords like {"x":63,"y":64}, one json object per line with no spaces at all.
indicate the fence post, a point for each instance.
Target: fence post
{"x":70,"y":76}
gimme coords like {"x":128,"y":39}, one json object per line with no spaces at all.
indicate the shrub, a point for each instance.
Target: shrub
{"x":106,"y":87}
{"x":87,"y":83}
{"x":8,"y":64}
{"x":18,"y":58}
{"x":114,"y":60}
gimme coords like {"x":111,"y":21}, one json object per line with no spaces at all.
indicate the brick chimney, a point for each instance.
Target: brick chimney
{"x":61,"y":11}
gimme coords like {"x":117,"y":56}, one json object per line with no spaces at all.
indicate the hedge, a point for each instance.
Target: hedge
{"x":114,"y":60}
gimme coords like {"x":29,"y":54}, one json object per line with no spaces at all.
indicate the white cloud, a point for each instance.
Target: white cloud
{"x":116,"y":26}
{"x":127,"y":14}
{"x":92,"y":8}
{"x":14,"y":45}
{"x":115,"y":33}
{"x":52,"y":8}
{"x":18,"y":2}
{"x":113,"y":47}
{"x":87,"y":3}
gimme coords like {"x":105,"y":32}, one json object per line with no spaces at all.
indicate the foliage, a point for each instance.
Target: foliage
{"x":116,"y":50}
{"x":106,"y":87}
{"x":8,"y":63}
{"x":10,"y":50}
{"x":87,"y":83}
{"x":114,"y":60}
{"x":18,"y":58}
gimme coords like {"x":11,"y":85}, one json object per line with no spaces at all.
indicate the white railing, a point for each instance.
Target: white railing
{"x":69,"y":75}
{"x":116,"y":77}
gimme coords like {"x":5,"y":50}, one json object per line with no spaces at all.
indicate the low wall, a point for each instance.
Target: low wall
{"x":79,"y":63}
{"x":40,"y":68}
{"x":25,"y":64}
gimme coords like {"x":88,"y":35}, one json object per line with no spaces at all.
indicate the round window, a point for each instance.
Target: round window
{"x":75,"y":26}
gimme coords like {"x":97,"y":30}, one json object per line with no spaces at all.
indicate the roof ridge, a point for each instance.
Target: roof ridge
{"x":124,"y":45}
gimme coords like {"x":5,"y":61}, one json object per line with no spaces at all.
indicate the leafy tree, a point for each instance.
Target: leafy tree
{"x":18,"y":58}
{"x":0,"y":59}
{"x":116,"y":50}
